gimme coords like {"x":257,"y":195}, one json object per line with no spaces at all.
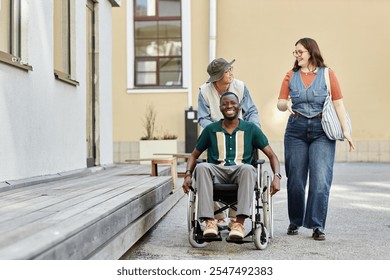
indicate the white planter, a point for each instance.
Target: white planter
{"x":148,"y":148}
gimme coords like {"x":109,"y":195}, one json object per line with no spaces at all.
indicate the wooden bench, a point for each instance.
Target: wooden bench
{"x":181,"y":155}
{"x":156,"y":161}
{"x":177,"y":156}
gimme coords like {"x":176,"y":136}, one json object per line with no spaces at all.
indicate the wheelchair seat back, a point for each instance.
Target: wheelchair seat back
{"x":225,"y":192}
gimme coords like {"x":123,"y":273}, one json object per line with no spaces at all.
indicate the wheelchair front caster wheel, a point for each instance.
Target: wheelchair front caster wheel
{"x":261,"y":238}
{"x":194,"y":243}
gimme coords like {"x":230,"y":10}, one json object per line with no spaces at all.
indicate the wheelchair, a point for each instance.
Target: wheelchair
{"x":261,"y":217}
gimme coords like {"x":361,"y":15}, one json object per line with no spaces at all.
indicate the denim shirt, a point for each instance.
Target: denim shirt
{"x":308,"y":101}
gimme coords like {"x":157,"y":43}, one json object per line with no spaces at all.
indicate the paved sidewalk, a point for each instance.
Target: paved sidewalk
{"x":358,"y":225}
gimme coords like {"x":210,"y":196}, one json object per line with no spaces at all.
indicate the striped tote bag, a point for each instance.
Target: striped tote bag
{"x":330,"y":122}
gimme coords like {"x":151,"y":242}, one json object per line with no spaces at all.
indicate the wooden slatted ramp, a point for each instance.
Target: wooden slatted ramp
{"x":95,"y":216}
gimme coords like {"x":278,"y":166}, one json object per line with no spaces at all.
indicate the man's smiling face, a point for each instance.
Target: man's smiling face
{"x":229,"y":106}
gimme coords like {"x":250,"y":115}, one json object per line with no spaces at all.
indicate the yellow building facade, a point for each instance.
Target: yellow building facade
{"x":260,"y":34}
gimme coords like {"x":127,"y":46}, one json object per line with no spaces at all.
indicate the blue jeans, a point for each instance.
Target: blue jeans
{"x":308,"y":152}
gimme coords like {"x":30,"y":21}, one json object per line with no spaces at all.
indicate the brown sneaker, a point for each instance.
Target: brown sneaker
{"x":237,"y":231}
{"x":211,"y":229}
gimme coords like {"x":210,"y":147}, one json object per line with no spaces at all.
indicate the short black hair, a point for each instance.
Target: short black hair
{"x":228,"y":93}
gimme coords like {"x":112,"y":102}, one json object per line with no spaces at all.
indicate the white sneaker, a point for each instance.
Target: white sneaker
{"x":211,"y":229}
{"x":237,"y":231}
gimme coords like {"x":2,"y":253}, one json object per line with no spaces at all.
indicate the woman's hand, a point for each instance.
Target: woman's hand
{"x":342,"y":115}
{"x":348,"y":136}
{"x":285,"y":104}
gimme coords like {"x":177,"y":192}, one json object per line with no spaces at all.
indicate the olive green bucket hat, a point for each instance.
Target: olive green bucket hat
{"x":217,"y":67}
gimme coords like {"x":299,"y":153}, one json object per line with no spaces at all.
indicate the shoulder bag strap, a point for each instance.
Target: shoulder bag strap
{"x":327,"y":80}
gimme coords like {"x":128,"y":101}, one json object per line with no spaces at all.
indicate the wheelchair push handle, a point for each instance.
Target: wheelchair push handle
{"x":259,"y":161}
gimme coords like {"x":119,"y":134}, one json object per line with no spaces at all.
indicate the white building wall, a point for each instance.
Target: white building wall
{"x":43,"y":120}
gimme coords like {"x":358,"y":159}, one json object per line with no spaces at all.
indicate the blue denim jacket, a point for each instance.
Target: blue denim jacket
{"x":308,"y":101}
{"x":249,"y":109}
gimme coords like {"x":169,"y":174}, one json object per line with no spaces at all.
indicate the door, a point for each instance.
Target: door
{"x":90,"y":86}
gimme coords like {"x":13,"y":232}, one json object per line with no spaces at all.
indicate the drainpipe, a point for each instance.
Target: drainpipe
{"x":213,"y":30}
{"x":212,"y":37}
{"x":187,"y":37}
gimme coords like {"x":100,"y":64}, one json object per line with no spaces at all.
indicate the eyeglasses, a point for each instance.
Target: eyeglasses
{"x":298,"y":53}
{"x":230,"y":69}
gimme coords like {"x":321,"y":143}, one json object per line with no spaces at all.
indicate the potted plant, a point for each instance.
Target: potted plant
{"x":154,"y":142}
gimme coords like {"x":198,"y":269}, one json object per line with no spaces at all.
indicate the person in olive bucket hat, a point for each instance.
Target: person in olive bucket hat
{"x":220,"y":81}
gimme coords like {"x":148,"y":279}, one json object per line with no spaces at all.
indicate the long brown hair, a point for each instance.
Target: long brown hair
{"x":315,"y":59}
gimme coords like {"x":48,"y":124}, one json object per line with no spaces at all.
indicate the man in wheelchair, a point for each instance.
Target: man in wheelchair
{"x":230,"y":143}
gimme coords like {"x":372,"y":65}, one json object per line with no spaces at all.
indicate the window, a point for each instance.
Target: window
{"x":157,"y":43}
{"x":63,"y":44}
{"x":10,"y":33}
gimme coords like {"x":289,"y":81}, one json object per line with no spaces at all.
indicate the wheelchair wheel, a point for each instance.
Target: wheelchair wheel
{"x":261,"y":238}
{"x":193,"y":242}
{"x":190,"y":210}
{"x":267,"y":204}
{"x":191,"y":221}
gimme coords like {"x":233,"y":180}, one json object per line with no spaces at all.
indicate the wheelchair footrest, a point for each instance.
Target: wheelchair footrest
{"x":210,"y":238}
{"x":238,"y":240}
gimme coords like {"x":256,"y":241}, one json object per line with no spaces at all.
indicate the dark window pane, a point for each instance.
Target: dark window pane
{"x":145,"y":8}
{"x":170,"y":79}
{"x":169,"y":8}
{"x":170,"y":71}
{"x":145,"y":29}
{"x":170,"y":64}
{"x":169,"y":29}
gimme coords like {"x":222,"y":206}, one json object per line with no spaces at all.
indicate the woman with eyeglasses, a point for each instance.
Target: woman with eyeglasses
{"x":309,"y":153}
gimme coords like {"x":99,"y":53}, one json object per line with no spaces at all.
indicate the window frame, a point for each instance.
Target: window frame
{"x":15,"y":55}
{"x":157,"y":58}
{"x":68,"y":55}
